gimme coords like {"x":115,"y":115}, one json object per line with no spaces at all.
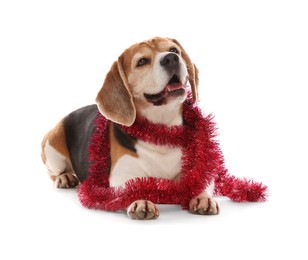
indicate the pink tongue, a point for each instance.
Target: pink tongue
{"x":173,"y":87}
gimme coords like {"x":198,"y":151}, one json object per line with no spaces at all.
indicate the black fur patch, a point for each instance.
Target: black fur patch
{"x":124,"y":139}
{"x":79,"y":127}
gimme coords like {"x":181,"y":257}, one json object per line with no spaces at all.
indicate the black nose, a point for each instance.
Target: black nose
{"x":170,"y":61}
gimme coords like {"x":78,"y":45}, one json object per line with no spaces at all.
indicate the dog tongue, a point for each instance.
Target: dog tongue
{"x":174,"y":86}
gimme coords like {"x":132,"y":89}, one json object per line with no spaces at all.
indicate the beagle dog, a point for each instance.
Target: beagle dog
{"x":150,"y":79}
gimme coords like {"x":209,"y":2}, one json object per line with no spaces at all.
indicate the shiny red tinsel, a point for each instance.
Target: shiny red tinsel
{"x":202,"y":163}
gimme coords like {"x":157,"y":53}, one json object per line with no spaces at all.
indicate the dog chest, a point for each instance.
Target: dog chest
{"x":159,"y":161}
{"x":152,"y":161}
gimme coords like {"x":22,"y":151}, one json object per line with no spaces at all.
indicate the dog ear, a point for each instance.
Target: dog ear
{"x":114,"y":100}
{"x":192,"y":71}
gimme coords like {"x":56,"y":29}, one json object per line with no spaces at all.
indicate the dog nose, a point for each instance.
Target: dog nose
{"x":170,"y":61}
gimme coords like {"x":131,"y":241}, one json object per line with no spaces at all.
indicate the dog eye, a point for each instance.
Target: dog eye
{"x":143,"y":61}
{"x":175,"y":50}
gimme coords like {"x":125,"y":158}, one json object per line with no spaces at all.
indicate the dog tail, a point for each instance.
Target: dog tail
{"x":240,"y":190}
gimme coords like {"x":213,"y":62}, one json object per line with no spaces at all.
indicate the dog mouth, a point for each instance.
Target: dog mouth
{"x":173,"y":88}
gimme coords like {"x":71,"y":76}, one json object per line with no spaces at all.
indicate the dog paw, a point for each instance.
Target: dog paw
{"x":66,"y":180}
{"x":143,"y":209}
{"x":203,"y":205}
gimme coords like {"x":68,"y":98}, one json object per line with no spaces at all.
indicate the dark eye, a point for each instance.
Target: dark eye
{"x":175,"y":50}
{"x":143,"y":61}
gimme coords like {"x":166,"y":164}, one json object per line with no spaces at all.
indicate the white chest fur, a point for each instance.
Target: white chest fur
{"x":152,"y":161}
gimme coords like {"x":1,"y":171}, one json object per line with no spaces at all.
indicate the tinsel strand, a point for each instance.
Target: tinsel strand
{"x":202,"y":163}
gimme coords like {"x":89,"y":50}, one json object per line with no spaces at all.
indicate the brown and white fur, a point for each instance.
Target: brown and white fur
{"x":150,"y":80}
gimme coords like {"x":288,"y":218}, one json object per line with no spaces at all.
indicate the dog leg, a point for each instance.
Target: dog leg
{"x":143,"y":210}
{"x":56,"y":157}
{"x":204,"y":204}
{"x":59,"y":169}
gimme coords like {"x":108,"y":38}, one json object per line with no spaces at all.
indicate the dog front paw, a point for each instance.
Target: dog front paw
{"x":204,"y":205}
{"x":143,"y":209}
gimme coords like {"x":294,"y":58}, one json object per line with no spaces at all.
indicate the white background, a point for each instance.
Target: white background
{"x":253,"y":63}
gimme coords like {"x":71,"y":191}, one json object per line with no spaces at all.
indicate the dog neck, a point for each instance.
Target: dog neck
{"x":169,"y":114}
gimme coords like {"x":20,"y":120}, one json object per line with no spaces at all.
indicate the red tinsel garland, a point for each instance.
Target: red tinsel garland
{"x":202,"y":163}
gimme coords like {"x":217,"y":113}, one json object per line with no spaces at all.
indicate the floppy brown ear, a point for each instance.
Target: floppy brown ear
{"x":114,"y":100}
{"x":192,"y":71}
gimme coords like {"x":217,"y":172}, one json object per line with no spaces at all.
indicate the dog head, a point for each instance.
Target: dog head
{"x":149,"y":74}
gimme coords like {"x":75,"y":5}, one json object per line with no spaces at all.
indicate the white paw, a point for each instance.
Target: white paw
{"x":143,"y":209}
{"x":204,"y":205}
{"x":66,"y":180}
